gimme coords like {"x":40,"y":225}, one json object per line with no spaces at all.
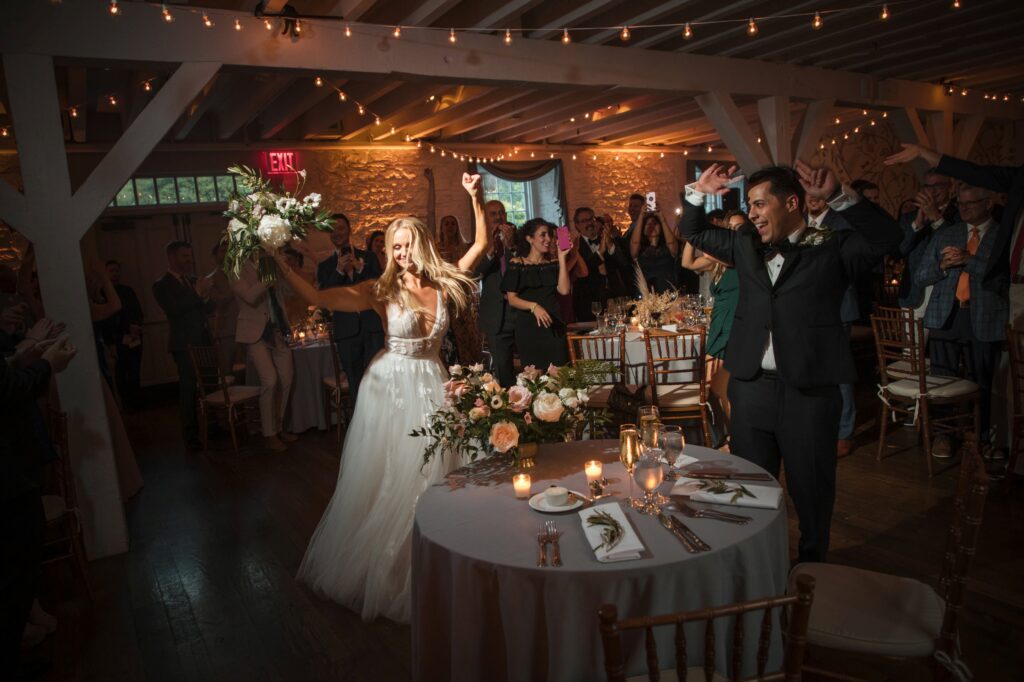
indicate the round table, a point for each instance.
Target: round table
{"x":636,"y":358}
{"x":483,"y":610}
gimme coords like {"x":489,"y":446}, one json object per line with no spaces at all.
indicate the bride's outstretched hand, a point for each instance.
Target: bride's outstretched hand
{"x":471,"y":183}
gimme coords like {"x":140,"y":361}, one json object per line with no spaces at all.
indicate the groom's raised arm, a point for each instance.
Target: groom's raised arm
{"x":695,"y":228}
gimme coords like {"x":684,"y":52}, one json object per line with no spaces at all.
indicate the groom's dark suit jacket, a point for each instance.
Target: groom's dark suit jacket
{"x":802,"y":308}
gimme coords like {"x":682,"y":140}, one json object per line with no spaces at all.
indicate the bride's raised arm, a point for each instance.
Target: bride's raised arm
{"x":350,"y":299}
{"x":478,"y":248}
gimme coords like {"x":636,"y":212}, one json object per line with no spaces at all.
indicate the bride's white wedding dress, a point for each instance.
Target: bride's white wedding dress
{"x":360,"y":553}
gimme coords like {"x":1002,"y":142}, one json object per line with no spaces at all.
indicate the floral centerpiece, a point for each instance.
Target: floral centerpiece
{"x":479,"y":416}
{"x":651,"y":305}
{"x":262,"y":221}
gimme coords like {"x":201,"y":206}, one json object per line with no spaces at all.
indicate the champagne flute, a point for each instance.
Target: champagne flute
{"x":629,"y":452}
{"x":648,"y":417}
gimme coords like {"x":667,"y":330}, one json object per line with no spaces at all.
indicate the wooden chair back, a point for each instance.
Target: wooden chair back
{"x":57,"y":429}
{"x":799,"y":611}
{"x":335,"y":361}
{"x":899,"y":338}
{"x":961,"y":540}
{"x":676,"y":358}
{"x":209,"y":378}
{"x":610,"y":348}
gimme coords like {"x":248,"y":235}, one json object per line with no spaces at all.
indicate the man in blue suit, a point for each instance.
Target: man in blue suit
{"x":933,"y":207}
{"x":967,"y":319}
{"x":821,"y":217}
{"x":359,"y":336}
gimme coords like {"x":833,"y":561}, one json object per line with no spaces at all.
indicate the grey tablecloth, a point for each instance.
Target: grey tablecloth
{"x":482,"y":610}
{"x":306,"y":404}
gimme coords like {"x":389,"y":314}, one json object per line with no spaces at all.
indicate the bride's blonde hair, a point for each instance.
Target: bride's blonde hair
{"x":454,"y":283}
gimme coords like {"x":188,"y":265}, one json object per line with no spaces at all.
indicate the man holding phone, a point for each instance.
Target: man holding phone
{"x":359,"y":336}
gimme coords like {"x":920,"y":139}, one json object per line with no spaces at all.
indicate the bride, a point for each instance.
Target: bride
{"x":360,"y":553}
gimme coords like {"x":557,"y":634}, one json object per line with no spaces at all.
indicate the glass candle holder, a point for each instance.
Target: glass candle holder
{"x":593,"y":470}
{"x":521,"y":483}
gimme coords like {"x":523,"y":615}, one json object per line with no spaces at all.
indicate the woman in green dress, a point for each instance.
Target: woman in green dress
{"x":725,"y":288}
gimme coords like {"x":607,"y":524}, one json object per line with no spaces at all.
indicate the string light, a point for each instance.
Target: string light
{"x":1006,"y":98}
{"x":397,"y":32}
{"x":687,"y":31}
{"x":872,"y":121}
{"x":686,"y":152}
{"x":361,"y":110}
{"x":508,"y":37}
{"x":113,"y":8}
{"x":710,"y":149}
{"x":5,"y":132}
{"x":759,"y":140}
{"x":207,"y":21}
{"x":168,"y":17}
{"x":751,"y":27}
{"x":885,"y":114}
{"x":112,"y":100}
{"x":419,"y":144}
{"x":442,"y":153}
{"x":963,"y":92}
{"x":342,"y":96}
{"x":392,"y":130}
{"x":348,"y":31}
{"x":298,"y":27}
{"x":238,"y":25}
{"x":817,"y":23}
{"x":863,"y":112}
{"x":318,"y":82}
{"x":885,"y":12}
{"x":73,"y":111}
{"x":836,"y":120}
{"x":432,"y":149}
{"x":376,"y":120}
{"x":956,"y":4}
{"x":625,"y":35}
{"x":147,"y":86}
{"x":451,"y":36}
{"x":267,"y":24}
{"x":573,"y":157}
{"x":565,"y":36}
{"x":660,"y":156}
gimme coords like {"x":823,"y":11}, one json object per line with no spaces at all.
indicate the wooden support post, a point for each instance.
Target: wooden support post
{"x":907,"y":125}
{"x":774,"y":112}
{"x":816,"y":119}
{"x":940,"y":131}
{"x":55,"y":222}
{"x":734,"y":130}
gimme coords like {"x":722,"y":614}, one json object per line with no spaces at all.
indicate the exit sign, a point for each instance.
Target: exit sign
{"x":279,"y":163}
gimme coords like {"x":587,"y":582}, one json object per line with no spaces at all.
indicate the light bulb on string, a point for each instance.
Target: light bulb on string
{"x":551,"y":156}
{"x":572,"y":119}
{"x":710,"y":149}
{"x":5,"y":132}
{"x":625,"y":35}
{"x":885,"y":12}
{"x":298,"y":27}
{"x":573,"y":157}
{"x":817,"y":23}
{"x":112,"y":100}
{"x":885,"y":114}
{"x":856,"y":130}
{"x":73,"y":111}
{"x":836,"y":120}
{"x":397,"y":32}
{"x":376,"y":120}
{"x":318,"y":82}
{"x":531,"y":155}
{"x":267,"y":24}
{"x":687,"y":31}
{"x":207,"y":21}
{"x":833,"y":140}
{"x":566,"y":39}
{"x":238,"y":24}
{"x":361,"y":110}
{"x":168,"y":17}
{"x":686,"y":152}
{"x":864,"y":112}
{"x":751,"y":27}
{"x":419,"y":144}
{"x":661,"y":155}
{"x":872,"y":121}
{"x":348,"y":31}
{"x":342,"y":96}
{"x":113,"y":8}
{"x":508,"y":37}
{"x":392,"y":130}
{"x":147,"y":86}
{"x":956,"y":4}
{"x":432,"y":150}
{"x":846,"y":136}
{"x":442,"y":153}
{"x":821,"y":146}
{"x":963,"y":92}
{"x":1006,"y":98}
{"x":451,"y":36}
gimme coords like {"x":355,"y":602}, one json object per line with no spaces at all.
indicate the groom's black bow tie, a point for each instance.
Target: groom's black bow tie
{"x":769,"y":251}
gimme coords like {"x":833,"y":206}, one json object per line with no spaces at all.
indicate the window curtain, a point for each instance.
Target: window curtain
{"x":526,"y":171}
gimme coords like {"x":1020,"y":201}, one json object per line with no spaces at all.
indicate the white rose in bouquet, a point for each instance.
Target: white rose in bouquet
{"x":273,"y":232}
{"x":548,"y":407}
{"x":236,"y":227}
{"x":285,"y":204}
{"x":312,"y":198}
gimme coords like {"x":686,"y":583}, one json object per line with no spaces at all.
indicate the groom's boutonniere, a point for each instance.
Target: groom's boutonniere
{"x":816,"y":237}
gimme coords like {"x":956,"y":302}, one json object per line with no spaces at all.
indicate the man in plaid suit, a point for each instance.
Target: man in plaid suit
{"x":967,"y":320}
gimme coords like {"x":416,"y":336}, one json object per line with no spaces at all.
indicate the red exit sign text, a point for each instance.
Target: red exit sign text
{"x":281,"y":162}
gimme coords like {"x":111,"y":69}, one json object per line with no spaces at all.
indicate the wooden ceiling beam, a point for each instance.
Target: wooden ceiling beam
{"x":686,"y":108}
{"x":352,"y":10}
{"x":539,"y":128}
{"x":208,"y":99}
{"x":481,"y":100}
{"x":302,"y":97}
{"x":545,"y":104}
{"x":638,"y":114}
{"x":240,"y":112}
{"x":332,"y":110}
{"x":552,"y":17}
{"x":734,"y":130}
{"x":525,"y":102}
{"x":633,"y":15}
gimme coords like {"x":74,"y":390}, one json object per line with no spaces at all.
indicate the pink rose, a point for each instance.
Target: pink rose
{"x":548,"y":407}
{"x":504,"y":436}
{"x":530,"y":373}
{"x":528,"y":418}
{"x":519,"y":398}
{"x":553,"y":371}
{"x":455,"y":388}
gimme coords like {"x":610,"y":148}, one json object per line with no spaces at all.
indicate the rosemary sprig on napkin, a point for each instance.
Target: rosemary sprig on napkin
{"x":612,"y":531}
{"x":718,"y":487}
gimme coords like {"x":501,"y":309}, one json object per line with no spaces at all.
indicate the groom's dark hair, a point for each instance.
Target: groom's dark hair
{"x":783,"y":182}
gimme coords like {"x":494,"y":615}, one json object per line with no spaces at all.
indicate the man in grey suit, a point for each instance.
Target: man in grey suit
{"x":967,"y":320}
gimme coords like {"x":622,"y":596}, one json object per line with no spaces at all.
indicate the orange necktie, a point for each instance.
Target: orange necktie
{"x":963,"y":285}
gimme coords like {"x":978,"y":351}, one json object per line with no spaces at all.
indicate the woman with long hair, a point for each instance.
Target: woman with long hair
{"x":360,"y":553}
{"x":655,"y":249}
{"x":532,"y":283}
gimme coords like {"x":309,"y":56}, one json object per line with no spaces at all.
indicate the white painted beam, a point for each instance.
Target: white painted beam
{"x":940,"y":131}
{"x":966,"y":132}
{"x":907,"y":124}
{"x":492,"y":99}
{"x":734,"y":130}
{"x":565,"y":16}
{"x":274,"y":6}
{"x":78,"y":97}
{"x":775,"y":122}
{"x":208,"y":98}
{"x":429,"y":11}
{"x":351,"y":10}
{"x":816,"y":118}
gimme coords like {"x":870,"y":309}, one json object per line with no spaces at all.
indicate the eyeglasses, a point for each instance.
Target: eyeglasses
{"x":937,"y":185}
{"x":972,"y":203}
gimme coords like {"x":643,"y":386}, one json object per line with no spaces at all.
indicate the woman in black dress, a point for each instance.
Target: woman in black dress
{"x":656,"y":250}
{"x":533,"y":283}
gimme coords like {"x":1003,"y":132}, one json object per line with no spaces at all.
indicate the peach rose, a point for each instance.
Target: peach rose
{"x":504,"y":436}
{"x":491,"y":387}
{"x":548,"y":407}
{"x":519,"y":398}
{"x":478,"y":413}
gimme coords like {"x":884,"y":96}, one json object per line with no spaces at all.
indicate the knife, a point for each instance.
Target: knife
{"x":667,"y":522}
{"x":701,"y":545}
{"x":726,"y":476}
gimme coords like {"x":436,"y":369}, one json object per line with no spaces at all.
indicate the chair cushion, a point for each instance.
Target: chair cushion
{"x":901,"y":370}
{"x":868,"y":612}
{"x":54,"y":506}
{"x":938,"y":387}
{"x":235,"y":394}
{"x":678,"y":395}
{"x":692,"y":675}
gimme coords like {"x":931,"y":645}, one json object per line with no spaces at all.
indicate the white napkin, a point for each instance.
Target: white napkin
{"x":684,"y":460}
{"x":765,"y":497}
{"x":669,"y":327}
{"x":629,"y":547}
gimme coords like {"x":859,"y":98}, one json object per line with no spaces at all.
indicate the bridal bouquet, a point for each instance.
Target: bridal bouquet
{"x":262,"y":221}
{"x":479,"y":415}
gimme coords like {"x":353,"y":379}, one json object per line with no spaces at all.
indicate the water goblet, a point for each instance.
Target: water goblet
{"x":671,"y":441}
{"x":649,"y":475}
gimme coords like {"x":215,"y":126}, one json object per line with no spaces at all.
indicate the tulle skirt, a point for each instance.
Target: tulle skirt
{"x":360,"y":553}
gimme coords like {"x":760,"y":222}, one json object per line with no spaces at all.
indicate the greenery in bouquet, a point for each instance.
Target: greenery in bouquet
{"x":262,"y":220}
{"x":479,"y":416}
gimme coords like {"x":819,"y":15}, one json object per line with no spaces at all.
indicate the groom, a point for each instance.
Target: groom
{"x":787,"y":353}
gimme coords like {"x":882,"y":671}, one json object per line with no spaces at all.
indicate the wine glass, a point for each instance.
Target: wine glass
{"x":629,"y":452}
{"x":671,"y":441}
{"x":649,"y":475}
{"x":648,"y":417}
{"x":595,"y":308}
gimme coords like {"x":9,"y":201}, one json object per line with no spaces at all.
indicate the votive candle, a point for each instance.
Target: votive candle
{"x":593,"y":470}
{"x":521,"y":483}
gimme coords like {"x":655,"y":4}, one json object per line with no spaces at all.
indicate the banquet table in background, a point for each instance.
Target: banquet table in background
{"x":306,"y":406}
{"x":636,"y":357}
{"x":483,"y":610}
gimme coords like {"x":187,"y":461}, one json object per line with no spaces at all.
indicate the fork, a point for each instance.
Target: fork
{"x":542,"y":554}
{"x":715,"y":514}
{"x":553,"y":534}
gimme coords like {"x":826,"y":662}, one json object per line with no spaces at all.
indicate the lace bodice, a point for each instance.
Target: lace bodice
{"x":404,"y":328}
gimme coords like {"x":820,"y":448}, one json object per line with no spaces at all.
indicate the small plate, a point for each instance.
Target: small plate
{"x":540,"y":503}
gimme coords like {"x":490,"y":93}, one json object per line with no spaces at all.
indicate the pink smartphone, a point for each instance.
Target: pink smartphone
{"x":564,"y":241}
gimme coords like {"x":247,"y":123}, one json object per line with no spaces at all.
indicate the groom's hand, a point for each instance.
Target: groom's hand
{"x":715,"y":179}
{"x":820,"y":183}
